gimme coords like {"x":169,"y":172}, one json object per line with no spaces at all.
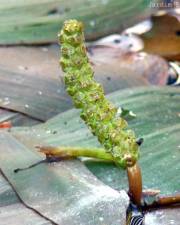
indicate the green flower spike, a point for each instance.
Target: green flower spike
{"x":100,"y":115}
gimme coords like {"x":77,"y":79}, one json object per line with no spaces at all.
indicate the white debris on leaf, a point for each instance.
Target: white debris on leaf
{"x":92,"y":23}
{"x":140,"y":28}
{"x":40,"y":92}
{"x":26,"y":106}
{"x":45,"y":49}
{"x":124,"y":42}
{"x":6,"y":101}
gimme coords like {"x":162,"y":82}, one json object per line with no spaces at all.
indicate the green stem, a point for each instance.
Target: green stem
{"x":68,"y":152}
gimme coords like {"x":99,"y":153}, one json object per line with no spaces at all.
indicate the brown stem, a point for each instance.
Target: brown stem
{"x":135,"y":184}
{"x":166,"y":201}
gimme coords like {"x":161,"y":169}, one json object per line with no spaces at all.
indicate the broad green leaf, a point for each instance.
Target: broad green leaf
{"x":157,"y":121}
{"x":39,"y":21}
{"x":157,"y":111}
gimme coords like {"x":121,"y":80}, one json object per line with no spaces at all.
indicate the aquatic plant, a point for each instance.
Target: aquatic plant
{"x":100,"y":115}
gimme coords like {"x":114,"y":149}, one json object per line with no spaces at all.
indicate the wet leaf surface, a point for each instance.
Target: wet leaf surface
{"x":165,"y":216}
{"x":65,"y":192}
{"x":30,"y":83}
{"x":12,"y":211}
{"x":18,"y":214}
{"x":16,"y":119}
{"x":164,"y":37}
{"x":157,"y":122}
{"x":38,"y":22}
